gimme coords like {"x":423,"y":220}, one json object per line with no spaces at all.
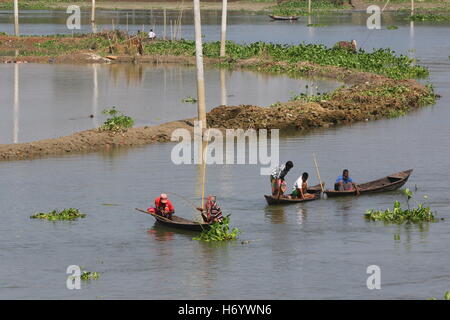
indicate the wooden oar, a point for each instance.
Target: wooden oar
{"x":322,"y":194}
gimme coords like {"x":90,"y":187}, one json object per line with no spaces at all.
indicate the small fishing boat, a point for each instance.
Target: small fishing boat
{"x":275,"y":200}
{"x":289,"y":18}
{"x":178,"y":222}
{"x":389,"y":183}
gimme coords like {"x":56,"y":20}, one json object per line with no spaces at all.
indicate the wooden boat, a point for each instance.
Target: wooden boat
{"x":389,"y":183}
{"x":178,"y":222}
{"x":290,"y":18}
{"x":275,"y":200}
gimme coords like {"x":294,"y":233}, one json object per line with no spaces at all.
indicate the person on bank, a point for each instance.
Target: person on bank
{"x":151,"y":35}
{"x":163,"y":207}
{"x":277,"y":178}
{"x":300,"y":190}
{"x":344,"y":182}
{"x":212,"y":212}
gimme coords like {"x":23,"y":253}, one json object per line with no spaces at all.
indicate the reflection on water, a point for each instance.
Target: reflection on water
{"x":316,"y":250}
{"x":69,"y":98}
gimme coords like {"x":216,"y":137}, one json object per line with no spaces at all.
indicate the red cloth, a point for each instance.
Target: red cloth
{"x":162,"y":206}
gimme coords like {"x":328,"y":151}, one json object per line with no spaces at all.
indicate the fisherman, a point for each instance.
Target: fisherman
{"x":300,"y":189}
{"x":151,"y":35}
{"x":344,"y":182}
{"x":163,"y":207}
{"x":277,"y":178}
{"x":212,"y":212}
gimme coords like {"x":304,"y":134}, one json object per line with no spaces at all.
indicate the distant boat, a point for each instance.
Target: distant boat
{"x":273,"y":17}
{"x":389,"y":183}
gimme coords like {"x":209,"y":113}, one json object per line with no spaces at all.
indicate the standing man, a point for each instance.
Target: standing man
{"x":277,"y":178}
{"x":151,"y":35}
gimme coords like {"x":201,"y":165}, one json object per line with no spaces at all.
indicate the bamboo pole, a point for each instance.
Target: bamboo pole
{"x":309,"y":6}
{"x":16,"y":18}
{"x":223,"y":37}
{"x":200,"y":80}
{"x":93,"y":12}
{"x":16,"y":104}
{"x":223,"y":88}
{"x":165,"y":20}
{"x":318,"y":172}
{"x":412,"y":7}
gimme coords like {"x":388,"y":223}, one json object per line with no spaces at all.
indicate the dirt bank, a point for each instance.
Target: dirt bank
{"x":370,"y":96}
{"x":91,"y":140}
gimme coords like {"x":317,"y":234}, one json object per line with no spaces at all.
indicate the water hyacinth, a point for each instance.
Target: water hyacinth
{"x":219,"y":231}
{"x":89,"y":275}
{"x":399,"y":215}
{"x":117,"y":122}
{"x":70,"y":214}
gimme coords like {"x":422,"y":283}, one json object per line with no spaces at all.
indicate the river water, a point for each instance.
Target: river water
{"x":316,"y":250}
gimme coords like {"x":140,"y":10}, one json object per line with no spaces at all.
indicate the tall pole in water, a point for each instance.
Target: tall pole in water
{"x":412,"y":7}
{"x":223,"y":37}
{"x":93,"y":12}
{"x":309,"y":6}
{"x":16,"y":18}
{"x":16,"y":104}
{"x":199,"y":63}
{"x":200,"y":92}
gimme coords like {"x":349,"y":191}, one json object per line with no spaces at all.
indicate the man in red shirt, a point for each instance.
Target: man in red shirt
{"x":163,"y":207}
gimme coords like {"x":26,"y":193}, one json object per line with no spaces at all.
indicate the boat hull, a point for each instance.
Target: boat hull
{"x":271,"y":200}
{"x":389,"y":183}
{"x":178,"y":222}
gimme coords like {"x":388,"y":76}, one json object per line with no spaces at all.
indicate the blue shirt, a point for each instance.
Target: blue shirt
{"x":340,"y":178}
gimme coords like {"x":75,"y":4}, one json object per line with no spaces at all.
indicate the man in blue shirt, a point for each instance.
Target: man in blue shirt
{"x":344,"y":182}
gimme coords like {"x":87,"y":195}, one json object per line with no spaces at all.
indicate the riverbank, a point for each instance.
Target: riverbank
{"x":264,"y":6}
{"x":381,"y":86}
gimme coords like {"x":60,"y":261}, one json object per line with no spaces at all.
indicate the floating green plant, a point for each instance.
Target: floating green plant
{"x":189,"y":100}
{"x":117,"y":122}
{"x":430,"y":17}
{"x":399,"y":215}
{"x":219,"y":231}
{"x":70,"y":214}
{"x":315,"y":25}
{"x":446,"y":296}
{"x":392,"y":28}
{"x":89,"y":275}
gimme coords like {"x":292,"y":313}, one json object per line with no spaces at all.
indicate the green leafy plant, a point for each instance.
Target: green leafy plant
{"x":399,"y":215}
{"x":219,"y":231}
{"x":117,"y":121}
{"x":189,"y":100}
{"x":430,"y":17}
{"x":392,"y":28}
{"x":446,"y":296}
{"x":70,"y":214}
{"x":89,"y":275}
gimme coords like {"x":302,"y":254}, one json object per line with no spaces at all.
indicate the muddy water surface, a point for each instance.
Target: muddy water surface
{"x":316,"y":250}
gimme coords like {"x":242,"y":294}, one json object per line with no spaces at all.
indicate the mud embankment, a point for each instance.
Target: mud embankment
{"x":369,"y":97}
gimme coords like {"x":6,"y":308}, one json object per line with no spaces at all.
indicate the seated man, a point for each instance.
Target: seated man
{"x":163,"y":207}
{"x":344,"y":182}
{"x":277,"y":178}
{"x":212,"y":212}
{"x":300,"y":190}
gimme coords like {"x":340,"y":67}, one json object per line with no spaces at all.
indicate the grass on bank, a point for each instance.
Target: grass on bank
{"x":285,"y":58}
{"x":117,"y":121}
{"x":300,"y":7}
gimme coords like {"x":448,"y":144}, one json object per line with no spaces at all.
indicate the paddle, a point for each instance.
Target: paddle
{"x":323,"y":195}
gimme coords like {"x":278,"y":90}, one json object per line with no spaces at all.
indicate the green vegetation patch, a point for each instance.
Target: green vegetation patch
{"x":70,"y":214}
{"x":381,"y":61}
{"x":219,"y":231}
{"x":117,"y":121}
{"x":189,"y":100}
{"x":399,"y":215}
{"x":300,"y":8}
{"x":446,"y":296}
{"x":89,"y":275}
{"x":430,"y":17}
